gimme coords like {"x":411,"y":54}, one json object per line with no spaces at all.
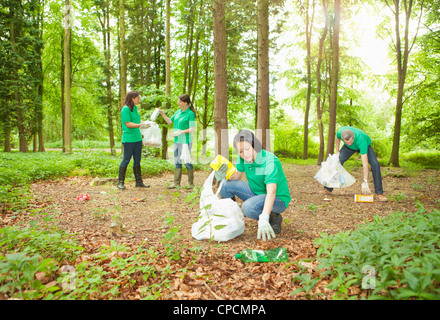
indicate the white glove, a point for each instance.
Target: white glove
{"x":264,"y":228}
{"x":177,"y":133}
{"x":144,"y":125}
{"x":365,"y":188}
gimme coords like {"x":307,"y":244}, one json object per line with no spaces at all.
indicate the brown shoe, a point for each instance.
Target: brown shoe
{"x":381,"y":197}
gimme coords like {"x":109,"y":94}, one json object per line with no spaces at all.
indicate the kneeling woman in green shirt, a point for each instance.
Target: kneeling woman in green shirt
{"x":266,"y":194}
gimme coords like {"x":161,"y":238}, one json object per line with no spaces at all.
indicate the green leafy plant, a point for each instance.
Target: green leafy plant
{"x":401,"y":251}
{"x":17,"y":271}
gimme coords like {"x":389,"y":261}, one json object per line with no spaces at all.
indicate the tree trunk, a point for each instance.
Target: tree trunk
{"x":309,"y":27}
{"x":67,"y":148}
{"x":105,"y":24}
{"x":402,"y":66}
{"x":167,"y":72}
{"x":123,"y":57}
{"x":17,"y":101}
{"x":220,"y":79}
{"x":319,"y":106}
{"x":334,"y":81}
{"x":263,"y":104}
{"x":62,"y":100}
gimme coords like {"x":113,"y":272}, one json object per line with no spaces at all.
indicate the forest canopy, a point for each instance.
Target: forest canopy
{"x":321,"y":73}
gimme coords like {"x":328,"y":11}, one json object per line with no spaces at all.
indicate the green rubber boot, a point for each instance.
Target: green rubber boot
{"x":177,"y":178}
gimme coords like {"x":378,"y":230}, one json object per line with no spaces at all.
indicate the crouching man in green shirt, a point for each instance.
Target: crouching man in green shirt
{"x":266,"y":194}
{"x":355,"y":140}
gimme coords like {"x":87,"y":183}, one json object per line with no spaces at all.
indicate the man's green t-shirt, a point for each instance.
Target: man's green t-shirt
{"x":130,"y":134}
{"x":183,"y":120}
{"x":264,"y":170}
{"x":361,"y":140}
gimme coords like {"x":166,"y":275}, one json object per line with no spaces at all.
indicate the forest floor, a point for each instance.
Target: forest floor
{"x":217,"y":274}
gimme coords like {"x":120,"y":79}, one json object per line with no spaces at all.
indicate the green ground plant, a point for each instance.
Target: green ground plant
{"x":400,"y":253}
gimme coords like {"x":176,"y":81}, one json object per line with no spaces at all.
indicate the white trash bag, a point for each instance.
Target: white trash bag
{"x":333,"y":175}
{"x":152,"y":136}
{"x":219,"y":219}
{"x":186,"y":155}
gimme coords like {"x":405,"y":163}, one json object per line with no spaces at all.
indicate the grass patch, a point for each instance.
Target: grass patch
{"x":429,"y":159}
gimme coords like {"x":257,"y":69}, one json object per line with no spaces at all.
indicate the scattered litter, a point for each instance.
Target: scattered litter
{"x":140,"y":200}
{"x":83,"y":197}
{"x":325,"y":199}
{"x":363,"y":198}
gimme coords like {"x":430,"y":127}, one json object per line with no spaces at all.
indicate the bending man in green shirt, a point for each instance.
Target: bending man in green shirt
{"x":355,"y":140}
{"x":266,"y":194}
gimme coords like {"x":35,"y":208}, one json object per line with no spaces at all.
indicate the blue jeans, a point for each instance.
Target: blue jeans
{"x":132,"y":149}
{"x":345,"y":153}
{"x":253,"y":204}
{"x":177,"y":152}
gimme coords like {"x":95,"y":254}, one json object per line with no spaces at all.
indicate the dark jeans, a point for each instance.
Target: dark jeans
{"x":345,"y":153}
{"x":177,"y":152}
{"x":253,"y":204}
{"x":132,"y":149}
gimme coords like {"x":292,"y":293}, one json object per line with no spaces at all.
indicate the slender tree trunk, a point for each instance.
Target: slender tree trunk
{"x":263,"y":122}
{"x":105,"y":24}
{"x":402,"y":66}
{"x":67,"y":80}
{"x":309,"y":27}
{"x":123,"y":75}
{"x":334,"y":81}
{"x":220,"y":78}
{"x":17,"y":101}
{"x":319,"y":107}
{"x":62,"y":100}
{"x":167,"y":72}
{"x":39,"y":93}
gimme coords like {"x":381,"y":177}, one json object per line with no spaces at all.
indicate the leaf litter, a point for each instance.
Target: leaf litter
{"x":199,"y":274}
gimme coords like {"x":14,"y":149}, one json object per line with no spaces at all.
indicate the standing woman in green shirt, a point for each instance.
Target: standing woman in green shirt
{"x":266,"y":193}
{"x":131,"y":139}
{"x":184,"y":121}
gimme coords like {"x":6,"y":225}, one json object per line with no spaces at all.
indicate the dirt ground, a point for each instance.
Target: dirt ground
{"x":309,"y":214}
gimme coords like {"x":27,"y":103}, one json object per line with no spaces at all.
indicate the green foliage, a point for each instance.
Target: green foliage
{"x":429,"y":159}
{"x":399,"y":252}
{"x":288,"y":141}
{"x":17,"y":271}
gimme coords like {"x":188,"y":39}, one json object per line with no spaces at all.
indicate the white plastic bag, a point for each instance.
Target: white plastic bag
{"x":186,"y":155}
{"x":152,"y":137}
{"x":219,"y":219}
{"x":333,"y":175}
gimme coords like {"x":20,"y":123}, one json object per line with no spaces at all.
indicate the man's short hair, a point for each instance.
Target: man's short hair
{"x":347,"y":134}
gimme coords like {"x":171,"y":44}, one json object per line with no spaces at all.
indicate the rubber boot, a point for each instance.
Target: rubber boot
{"x":190,"y":178}
{"x":138,"y":178}
{"x":275,"y":220}
{"x":177,"y":178}
{"x":121,"y":177}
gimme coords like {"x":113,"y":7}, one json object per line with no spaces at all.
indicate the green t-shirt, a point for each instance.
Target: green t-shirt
{"x":130,"y":134}
{"x":264,"y":170}
{"x":183,"y":120}
{"x":361,"y":140}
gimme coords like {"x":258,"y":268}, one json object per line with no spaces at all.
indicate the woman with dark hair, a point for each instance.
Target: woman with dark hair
{"x":131,"y":139}
{"x":184,"y":125}
{"x":266,"y":194}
